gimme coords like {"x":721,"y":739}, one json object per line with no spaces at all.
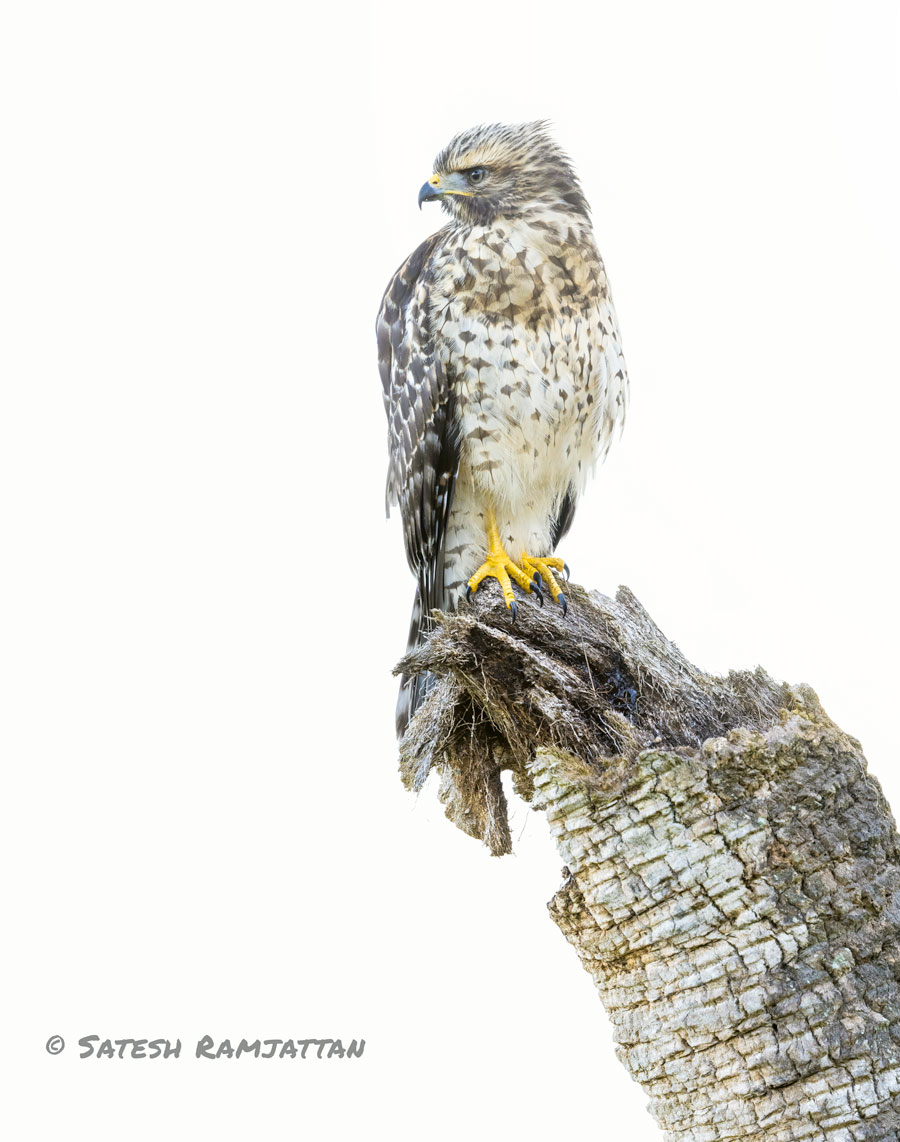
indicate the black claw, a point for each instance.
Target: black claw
{"x":566,"y":571}
{"x":536,"y":577}
{"x":469,"y":595}
{"x":536,"y":589}
{"x":514,"y":609}
{"x":562,"y":602}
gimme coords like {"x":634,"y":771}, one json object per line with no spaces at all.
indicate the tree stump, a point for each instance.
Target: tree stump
{"x":732,"y":871}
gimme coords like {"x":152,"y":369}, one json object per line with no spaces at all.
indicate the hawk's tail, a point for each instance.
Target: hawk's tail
{"x":414,"y":687}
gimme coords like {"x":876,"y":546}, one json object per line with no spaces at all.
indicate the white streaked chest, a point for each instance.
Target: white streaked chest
{"x":526,"y":331}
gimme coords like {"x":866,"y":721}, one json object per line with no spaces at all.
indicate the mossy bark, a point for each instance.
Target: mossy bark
{"x":732,"y":878}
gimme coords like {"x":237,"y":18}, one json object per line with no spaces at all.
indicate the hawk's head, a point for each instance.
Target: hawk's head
{"x":499,"y":171}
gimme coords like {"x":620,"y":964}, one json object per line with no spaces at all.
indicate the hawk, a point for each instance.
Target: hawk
{"x":503,"y":375}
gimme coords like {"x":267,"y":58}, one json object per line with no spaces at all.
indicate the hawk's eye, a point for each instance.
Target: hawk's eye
{"x":476,"y":175}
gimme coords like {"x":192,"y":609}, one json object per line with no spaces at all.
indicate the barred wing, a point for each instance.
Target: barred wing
{"x":422,"y":437}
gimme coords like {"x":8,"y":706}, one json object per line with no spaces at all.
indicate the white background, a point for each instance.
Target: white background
{"x":204,"y":830}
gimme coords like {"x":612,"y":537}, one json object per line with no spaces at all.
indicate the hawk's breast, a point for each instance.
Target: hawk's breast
{"x":520,"y":327}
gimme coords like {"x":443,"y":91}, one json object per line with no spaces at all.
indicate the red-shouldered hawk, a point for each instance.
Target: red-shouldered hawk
{"x":503,"y":374}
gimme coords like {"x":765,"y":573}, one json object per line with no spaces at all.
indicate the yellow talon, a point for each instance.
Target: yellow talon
{"x":544,"y":567}
{"x":499,"y":566}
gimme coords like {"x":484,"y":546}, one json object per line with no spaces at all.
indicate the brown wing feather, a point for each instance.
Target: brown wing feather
{"x":562,"y":521}
{"x":423,"y":442}
{"x":422,"y":436}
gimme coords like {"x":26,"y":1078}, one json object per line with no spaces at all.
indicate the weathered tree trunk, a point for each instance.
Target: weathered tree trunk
{"x":732,"y":876}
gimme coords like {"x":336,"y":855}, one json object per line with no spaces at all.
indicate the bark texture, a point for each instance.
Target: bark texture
{"x":732,"y":878}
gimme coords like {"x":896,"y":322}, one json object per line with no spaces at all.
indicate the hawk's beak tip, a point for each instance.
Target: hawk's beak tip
{"x":427,"y":193}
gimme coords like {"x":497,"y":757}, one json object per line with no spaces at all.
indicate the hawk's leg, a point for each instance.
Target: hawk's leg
{"x":499,"y":566}
{"x":544,"y":568}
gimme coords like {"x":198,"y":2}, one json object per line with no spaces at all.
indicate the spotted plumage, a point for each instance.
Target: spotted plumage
{"x":501,"y":364}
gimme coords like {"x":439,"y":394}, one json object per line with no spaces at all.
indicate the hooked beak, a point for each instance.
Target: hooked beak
{"x":431,"y":190}
{"x":440,"y":185}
